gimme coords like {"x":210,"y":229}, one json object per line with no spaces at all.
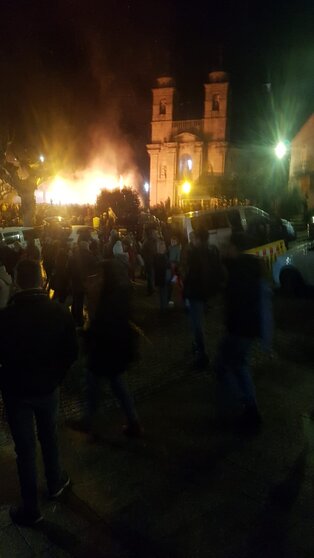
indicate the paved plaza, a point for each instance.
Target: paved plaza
{"x":187,"y":489}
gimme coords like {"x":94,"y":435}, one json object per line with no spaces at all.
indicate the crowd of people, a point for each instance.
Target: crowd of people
{"x":78,"y":300}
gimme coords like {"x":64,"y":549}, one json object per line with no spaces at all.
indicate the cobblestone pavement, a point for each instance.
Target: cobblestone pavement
{"x":187,"y":490}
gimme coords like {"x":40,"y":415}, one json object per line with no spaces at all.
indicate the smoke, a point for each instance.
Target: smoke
{"x":111,"y":143}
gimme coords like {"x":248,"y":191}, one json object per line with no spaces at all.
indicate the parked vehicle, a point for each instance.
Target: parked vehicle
{"x":295,"y":268}
{"x":9,"y":235}
{"x":289,"y":229}
{"x":310,"y":228}
{"x":253,"y":223}
{"x":82,"y":232}
{"x":257,"y":226}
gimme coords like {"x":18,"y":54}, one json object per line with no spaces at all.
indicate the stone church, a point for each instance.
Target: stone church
{"x":190,"y":151}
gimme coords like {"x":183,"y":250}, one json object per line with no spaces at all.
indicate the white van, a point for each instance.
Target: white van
{"x":218,"y":226}
{"x":223,"y":222}
{"x":9,"y":235}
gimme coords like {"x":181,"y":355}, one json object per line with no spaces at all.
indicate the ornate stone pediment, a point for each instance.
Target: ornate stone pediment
{"x":186,"y":137}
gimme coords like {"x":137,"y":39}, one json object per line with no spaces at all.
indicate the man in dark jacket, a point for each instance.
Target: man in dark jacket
{"x":201,"y":279}
{"x":111,"y":345}
{"x":149,"y":250}
{"x":37,"y":346}
{"x":82,"y":264}
{"x":248,"y":317}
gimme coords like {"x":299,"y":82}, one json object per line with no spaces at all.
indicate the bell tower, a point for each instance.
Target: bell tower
{"x":162,"y":109}
{"x":161,"y":150}
{"x":215,"y":120}
{"x":216,"y":105}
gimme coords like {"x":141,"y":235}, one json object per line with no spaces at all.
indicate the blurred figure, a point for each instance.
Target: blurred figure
{"x":49,"y":249}
{"x":202,"y":279}
{"x":248,"y":317}
{"x":32,"y":252}
{"x":174,"y":261}
{"x":162,"y":273}
{"x":95,"y":249}
{"x":60,"y":279}
{"x":82,"y":264}
{"x":17,"y":247}
{"x":109,"y":246}
{"x":9,"y":258}
{"x":111,"y":345}
{"x":149,"y":249}
{"x":130,"y":248}
{"x":33,"y":364}
{"x":5,"y":286}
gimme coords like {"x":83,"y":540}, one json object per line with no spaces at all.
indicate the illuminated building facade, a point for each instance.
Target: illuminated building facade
{"x":302,"y":161}
{"x":182,"y":150}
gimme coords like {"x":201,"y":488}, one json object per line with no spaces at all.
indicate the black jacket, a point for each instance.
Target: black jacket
{"x":111,"y":341}
{"x":37,"y":344}
{"x":197,"y":282}
{"x":161,"y":264}
{"x":82,"y":264}
{"x":244,"y":296}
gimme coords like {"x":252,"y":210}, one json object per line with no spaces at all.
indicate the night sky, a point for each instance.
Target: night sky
{"x":73,"y":72}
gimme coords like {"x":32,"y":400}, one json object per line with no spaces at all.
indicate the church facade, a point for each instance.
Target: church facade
{"x":187,"y":151}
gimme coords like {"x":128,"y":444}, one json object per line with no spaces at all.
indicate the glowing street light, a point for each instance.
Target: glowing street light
{"x":281,"y":150}
{"x":186,"y":187}
{"x":42,"y":158}
{"x":146,"y":187}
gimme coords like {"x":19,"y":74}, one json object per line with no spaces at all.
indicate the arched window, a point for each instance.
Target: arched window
{"x":162,"y":106}
{"x":185,"y":166}
{"x":163,"y":171}
{"x":215,"y":103}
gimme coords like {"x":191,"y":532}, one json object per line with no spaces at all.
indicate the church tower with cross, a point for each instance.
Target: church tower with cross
{"x":187,"y":150}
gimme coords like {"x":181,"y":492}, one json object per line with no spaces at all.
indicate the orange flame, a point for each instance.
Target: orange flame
{"x":82,"y":188}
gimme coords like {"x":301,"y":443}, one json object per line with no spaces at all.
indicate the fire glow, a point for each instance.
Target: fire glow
{"x":82,"y":188}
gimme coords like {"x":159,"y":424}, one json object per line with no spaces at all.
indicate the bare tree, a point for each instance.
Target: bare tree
{"x":24,"y":176}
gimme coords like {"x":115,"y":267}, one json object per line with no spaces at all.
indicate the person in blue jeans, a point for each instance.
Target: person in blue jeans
{"x":248,"y":312}
{"x":37,"y":346}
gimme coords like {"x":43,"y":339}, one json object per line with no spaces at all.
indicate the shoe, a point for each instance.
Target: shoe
{"x":133,"y":431}
{"x":64,"y":482}
{"x":24,"y":518}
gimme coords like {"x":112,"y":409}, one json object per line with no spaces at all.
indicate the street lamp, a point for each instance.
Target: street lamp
{"x":42,"y":158}
{"x":186,"y":187}
{"x":146,"y":187}
{"x":281,"y":149}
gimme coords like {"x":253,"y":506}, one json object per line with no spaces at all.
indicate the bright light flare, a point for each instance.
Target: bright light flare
{"x":281,"y":150}
{"x":146,"y":187}
{"x":42,"y":158}
{"x":186,"y":187}
{"x":59,"y":192}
